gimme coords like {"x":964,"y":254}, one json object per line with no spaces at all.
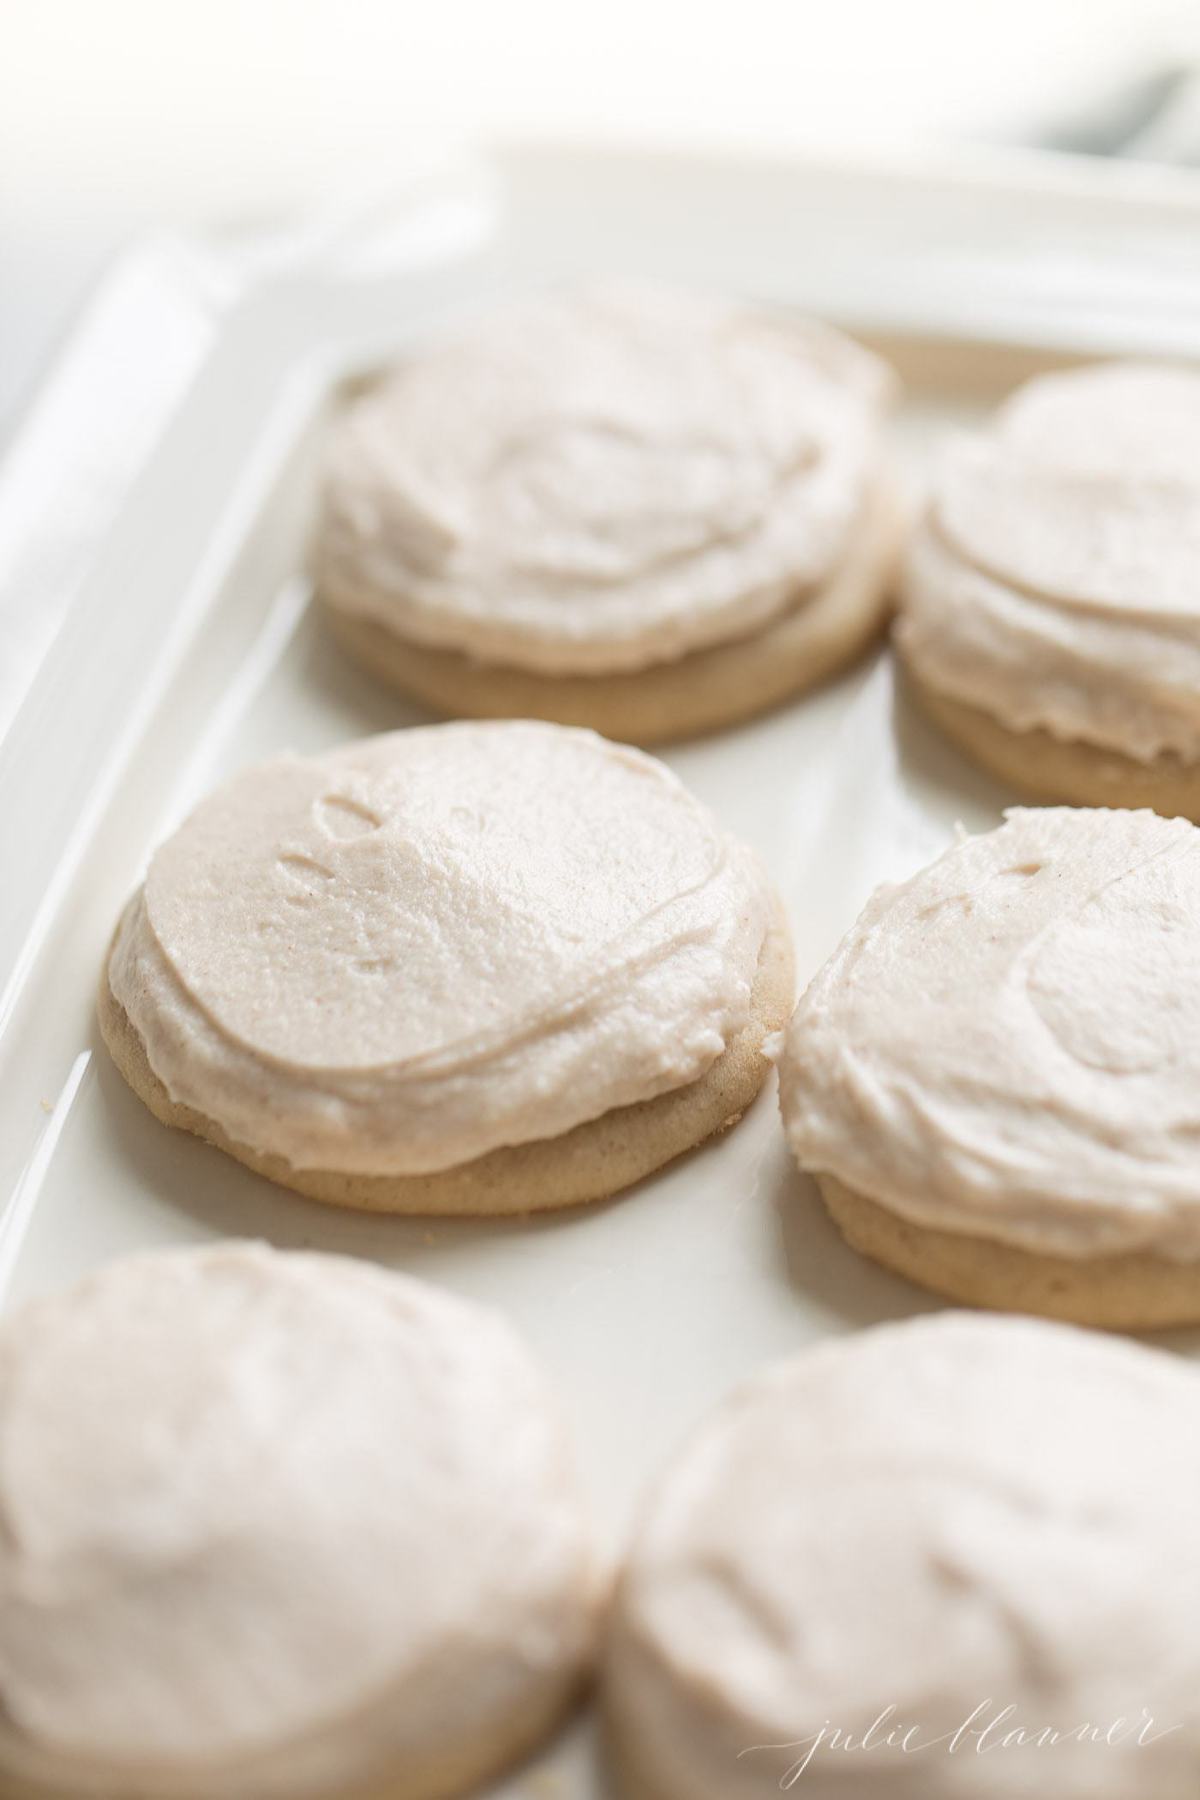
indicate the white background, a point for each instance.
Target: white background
{"x":118,"y":115}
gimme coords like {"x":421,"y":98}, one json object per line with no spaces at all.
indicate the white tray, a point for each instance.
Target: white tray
{"x":154,"y":636}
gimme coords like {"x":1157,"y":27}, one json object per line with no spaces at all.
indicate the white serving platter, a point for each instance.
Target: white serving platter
{"x":155,"y":635}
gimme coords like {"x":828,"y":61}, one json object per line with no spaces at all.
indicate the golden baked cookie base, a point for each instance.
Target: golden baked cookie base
{"x":632,"y":1759}
{"x":26,"y":1774}
{"x":1131,"y":1292}
{"x":591,"y":1162}
{"x":636,"y":1779}
{"x":1042,"y":767}
{"x":700,"y":692}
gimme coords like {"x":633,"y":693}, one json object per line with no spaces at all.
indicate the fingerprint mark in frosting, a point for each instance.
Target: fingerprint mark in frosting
{"x":303,"y":876}
{"x":299,"y":867}
{"x":338,"y":816}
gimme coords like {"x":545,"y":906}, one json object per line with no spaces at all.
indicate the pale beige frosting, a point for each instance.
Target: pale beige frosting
{"x":1055,"y":581}
{"x":602,"y":480}
{"x":946,"y":1515}
{"x":1007,"y":1044}
{"x":402,"y":954}
{"x":274,"y":1524}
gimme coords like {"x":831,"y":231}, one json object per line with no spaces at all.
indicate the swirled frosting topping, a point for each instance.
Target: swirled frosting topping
{"x":602,"y":480}
{"x":1006,"y":1044}
{"x":405,"y":953}
{"x":274,"y":1525}
{"x":880,"y":1561}
{"x":1054,"y":583}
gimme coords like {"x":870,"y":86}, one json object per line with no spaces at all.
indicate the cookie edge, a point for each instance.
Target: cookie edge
{"x":1133,"y":1291}
{"x":1039,"y":766}
{"x":591,"y":1162}
{"x":703,"y":691}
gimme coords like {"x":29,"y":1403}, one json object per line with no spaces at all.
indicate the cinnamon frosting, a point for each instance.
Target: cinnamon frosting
{"x":275,"y":1525}
{"x":879,"y":1562}
{"x":398,"y":956}
{"x":1006,"y":1045}
{"x":602,"y":480}
{"x":1054,"y":583}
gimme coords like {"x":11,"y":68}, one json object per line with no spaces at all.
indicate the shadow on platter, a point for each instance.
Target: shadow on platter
{"x":828,"y":1272}
{"x":210,"y":1188}
{"x":928,"y":761}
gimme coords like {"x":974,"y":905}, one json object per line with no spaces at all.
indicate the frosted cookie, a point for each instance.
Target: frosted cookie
{"x":996,"y":1077}
{"x":1050,"y":612}
{"x":278,"y":1527}
{"x":946,"y":1560}
{"x":645,"y":511}
{"x":472,"y":968}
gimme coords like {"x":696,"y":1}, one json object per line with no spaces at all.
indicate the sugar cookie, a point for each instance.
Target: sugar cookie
{"x":1050,"y":606}
{"x":996,"y":1078}
{"x":278,"y":1527}
{"x":472,"y":968}
{"x":945,"y":1560}
{"x":645,"y":511}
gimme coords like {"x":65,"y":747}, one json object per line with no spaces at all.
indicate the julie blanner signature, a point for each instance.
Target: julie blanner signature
{"x":989,"y":1728}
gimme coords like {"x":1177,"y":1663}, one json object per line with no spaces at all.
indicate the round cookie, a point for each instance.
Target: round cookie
{"x":996,"y":1078}
{"x":1050,"y":617}
{"x":473,"y":968}
{"x":279,"y":1527}
{"x":944,"y":1560}
{"x":649,"y":512}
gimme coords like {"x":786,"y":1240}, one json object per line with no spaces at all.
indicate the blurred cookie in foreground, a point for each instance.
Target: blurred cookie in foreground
{"x":647,"y":511}
{"x":1050,"y":606}
{"x":995,"y":1079}
{"x":945,"y":1560}
{"x":279,"y":1527}
{"x":472,"y":968}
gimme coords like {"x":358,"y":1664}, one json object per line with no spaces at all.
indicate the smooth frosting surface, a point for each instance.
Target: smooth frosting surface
{"x":1054,"y":583}
{"x":1006,"y":1044}
{"x":402,"y":954}
{"x":276,"y":1522}
{"x":944,"y":1518}
{"x":602,"y":480}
